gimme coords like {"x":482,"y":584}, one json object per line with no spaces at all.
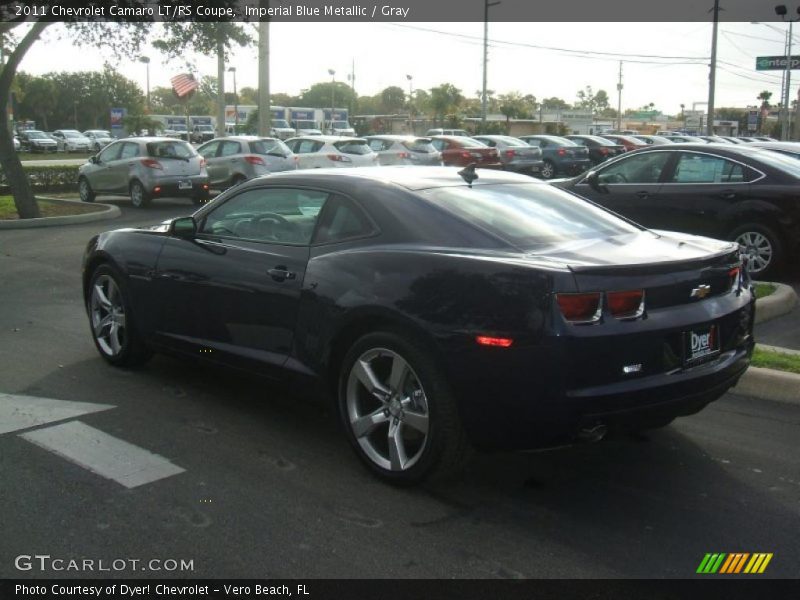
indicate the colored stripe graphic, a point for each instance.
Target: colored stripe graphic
{"x":711,"y":563}
{"x":734,"y":563}
{"x":758,"y":563}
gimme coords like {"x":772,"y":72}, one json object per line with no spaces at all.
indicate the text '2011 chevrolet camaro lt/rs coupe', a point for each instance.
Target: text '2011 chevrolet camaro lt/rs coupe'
{"x":442,"y":309}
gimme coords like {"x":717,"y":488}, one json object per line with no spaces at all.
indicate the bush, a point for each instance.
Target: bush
{"x":50,"y":178}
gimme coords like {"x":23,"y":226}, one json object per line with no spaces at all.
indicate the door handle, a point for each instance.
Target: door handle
{"x":281,"y":273}
{"x":643,"y":195}
{"x":727,"y":194}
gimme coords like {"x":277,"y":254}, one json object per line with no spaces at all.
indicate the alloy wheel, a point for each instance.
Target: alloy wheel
{"x":758,"y":250}
{"x":108,"y":316}
{"x":387,"y":409}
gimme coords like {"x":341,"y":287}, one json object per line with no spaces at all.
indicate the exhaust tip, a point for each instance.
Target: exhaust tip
{"x":595,"y":433}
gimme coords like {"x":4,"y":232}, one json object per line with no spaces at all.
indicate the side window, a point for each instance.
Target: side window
{"x":129,"y":150}
{"x":490,"y":143}
{"x":535,"y":143}
{"x":229,"y":148}
{"x":342,"y":220}
{"x":377,"y":145}
{"x":638,"y":168}
{"x":578,"y":141}
{"x":110,"y":153}
{"x":272,"y":215}
{"x":209,"y":150}
{"x":307,"y":147}
{"x":703,"y":168}
{"x":438,"y":144}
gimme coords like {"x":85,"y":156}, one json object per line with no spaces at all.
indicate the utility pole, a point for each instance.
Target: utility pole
{"x":486,"y":5}
{"x":712,"y":76}
{"x":220,"y":90}
{"x":264,"y":109}
{"x":619,"y":99}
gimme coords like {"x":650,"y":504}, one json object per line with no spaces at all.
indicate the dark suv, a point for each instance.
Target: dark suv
{"x":560,"y":155}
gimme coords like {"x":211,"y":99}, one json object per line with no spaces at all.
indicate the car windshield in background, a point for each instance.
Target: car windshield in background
{"x":280,"y":123}
{"x":514,"y":142}
{"x":601,"y":141}
{"x":558,"y":141}
{"x":169,"y":149}
{"x":341,"y":125}
{"x":529,"y":215}
{"x":37,"y":135}
{"x":70,"y":134}
{"x":353,"y":147}
{"x":267,"y":146}
{"x":306,"y":124}
{"x":470,"y":143}
{"x":423,"y":146}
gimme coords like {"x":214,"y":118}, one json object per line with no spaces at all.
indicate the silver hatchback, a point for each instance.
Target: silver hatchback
{"x":231,"y":160}
{"x":404,"y":150}
{"x":145,"y":168}
{"x":515,"y":154}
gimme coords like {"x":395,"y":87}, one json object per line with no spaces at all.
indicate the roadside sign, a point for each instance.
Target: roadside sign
{"x":752,"y":119}
{"x":776,"y":63}
{"x":117,"y":115}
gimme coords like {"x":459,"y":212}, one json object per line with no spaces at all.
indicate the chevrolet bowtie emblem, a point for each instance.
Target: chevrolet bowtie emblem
{"x":701,"y":291}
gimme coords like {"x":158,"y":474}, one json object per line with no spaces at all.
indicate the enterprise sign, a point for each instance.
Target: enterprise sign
{"x":775,"y":63}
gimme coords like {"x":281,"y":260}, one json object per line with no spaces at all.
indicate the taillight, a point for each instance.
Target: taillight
{"x":510,"y":153}
{"x":254,"y":160}
{"x":562,"y":152}
{"x":466,"y":155}
{"x":151,"y":163}
{"x":202,"y":163}
{"x":603,"y":151}
{"x":580,"y":308}
{"x":626,"y":305}
{"x":735,"y":276}
{"x":403,"y":155}
{"x":485,"y":340}
{"x":338,"y":158}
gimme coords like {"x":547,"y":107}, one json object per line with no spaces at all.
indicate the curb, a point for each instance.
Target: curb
{"x":781,"y":301}
{"x":769,"y":384}
{"x":111,"y":212}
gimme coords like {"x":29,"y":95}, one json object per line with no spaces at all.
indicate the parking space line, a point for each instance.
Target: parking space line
{"x":23,"y":412}
{"x":103,"y":454}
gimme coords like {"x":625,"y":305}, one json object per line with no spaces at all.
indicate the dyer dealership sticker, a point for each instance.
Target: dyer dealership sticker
{"x":79,"y":443}
{"x":701,"y":343}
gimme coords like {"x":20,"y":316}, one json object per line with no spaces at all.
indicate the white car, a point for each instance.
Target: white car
{"x":321,"y":151}
{"x":100,"y":138}
{"x":72,"y":140}
{"x":17,"y":145}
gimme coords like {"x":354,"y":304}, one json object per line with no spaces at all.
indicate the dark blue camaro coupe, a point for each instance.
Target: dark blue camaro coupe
{"x":441,"y":309}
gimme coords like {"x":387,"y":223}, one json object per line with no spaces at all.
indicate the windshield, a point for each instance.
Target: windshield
{"x":205,"y":128}
{"x":37,"y":135}
{"x":306,"y":124}
{"x":341,"y":125}
{"x":529,"y":215}
{"x":170,"y":149}
{"x":178,"y":127}
{"x":72,"y":134}
{"x":280,"y":123}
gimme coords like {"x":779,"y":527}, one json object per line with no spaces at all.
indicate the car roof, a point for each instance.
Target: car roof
{"x":329,"y":138}
{"x":409,"y":177}
{"x":395,"y":137}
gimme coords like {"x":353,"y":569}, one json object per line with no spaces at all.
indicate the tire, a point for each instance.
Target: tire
{"x":548,"y":170}
{"x":763,"y":249}
{"x":111,"y":320}
{"x":432,"y":445}
{"x":85,"y":190}
{"x":139,"y":196}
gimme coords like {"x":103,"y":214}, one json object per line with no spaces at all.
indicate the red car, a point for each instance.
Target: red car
{"x":630,"y":143}
{"x":460,"y":151}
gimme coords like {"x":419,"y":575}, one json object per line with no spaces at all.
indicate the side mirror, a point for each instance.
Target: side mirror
{"x":593,"y":179}
{"x":183,"y":227}
{"x":94,"y":159}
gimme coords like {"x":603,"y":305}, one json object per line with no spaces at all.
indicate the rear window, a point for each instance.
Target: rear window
{"x":170,"y":149}
{"x":353,"y":147}
{"x":422,"y":145}
{"x":267,"y":146}
{"x":782,"y":162}
{"x":529,"y":215}
{"x":513,"y":142}
{"x":470,"y":143}
{"x":558,"y":141}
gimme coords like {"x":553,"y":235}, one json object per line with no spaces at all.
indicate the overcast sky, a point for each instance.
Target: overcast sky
{"x":519,"y":59}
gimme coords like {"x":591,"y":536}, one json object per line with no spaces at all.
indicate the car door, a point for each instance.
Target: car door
{"x":232,"y":292}
{"x":122,"y":168}
{"x":307,"y":153}
{"x":699,"y":190}
{"x":631,"y":187}
{"x":209,"y":152}
{"x":100,"y":173}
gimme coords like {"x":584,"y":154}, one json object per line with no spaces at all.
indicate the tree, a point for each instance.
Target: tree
{"x":513,"y":106}
{"x":393,"y":100}
{"x":137,"y":122}
{"x":40,"y":101}
{"x":19,"y":37}
{"x":554,"y":104}
{"x":320,"y":95}
{"x":601,"y":102}
{"x":593,"y":101}
{"x":445,"y":100}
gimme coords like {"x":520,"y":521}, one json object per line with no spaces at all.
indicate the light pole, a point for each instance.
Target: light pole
{"x":486,"y":5}
{"x":332,"y":73}
{"x":781,"y":11}
{"x":410,"y":104}
{"x":712,"y":75}
{"x":683,"y":117}
{"x":146,"y":61}
{"x":235,"y":101}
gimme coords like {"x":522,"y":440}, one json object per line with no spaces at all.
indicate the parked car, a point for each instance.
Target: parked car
{"x":600,"y":149}
{"x":319,"y":151}
{"x":713,"y":139}
{"x":33,"y":140}
{"x":629,"y":142}
{"x":72,"y":140}
{"x":404,"y":150}
{"x":439,"y":314}
{"x":560,"y":155}
{"x":788,"y":148}
{"x":202,"y":133}
{"x":340,"y":128}
{"x":234,"y":159}
{"x":464,"y":151}
{"x":179,"y":131}
{"x":458,"y":132}
{"x":741,"y":193}
{"x":281,"y":129}
{"x":145,"y":168}
{"x":100,"y":138}
{"x":653,"y":140}
{"x":17,"y":144}
{"x":515,"y":155}
{"x":686,"y":139}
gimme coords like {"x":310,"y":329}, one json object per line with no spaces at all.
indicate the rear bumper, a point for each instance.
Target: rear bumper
{"x":526,"y":166}
{"x":169,"y":188}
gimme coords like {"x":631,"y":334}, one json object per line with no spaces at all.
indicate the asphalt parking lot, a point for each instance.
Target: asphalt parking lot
{"x":265,"y":485}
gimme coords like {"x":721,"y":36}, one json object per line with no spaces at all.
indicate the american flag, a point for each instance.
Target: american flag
{"x":183,"y":84}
